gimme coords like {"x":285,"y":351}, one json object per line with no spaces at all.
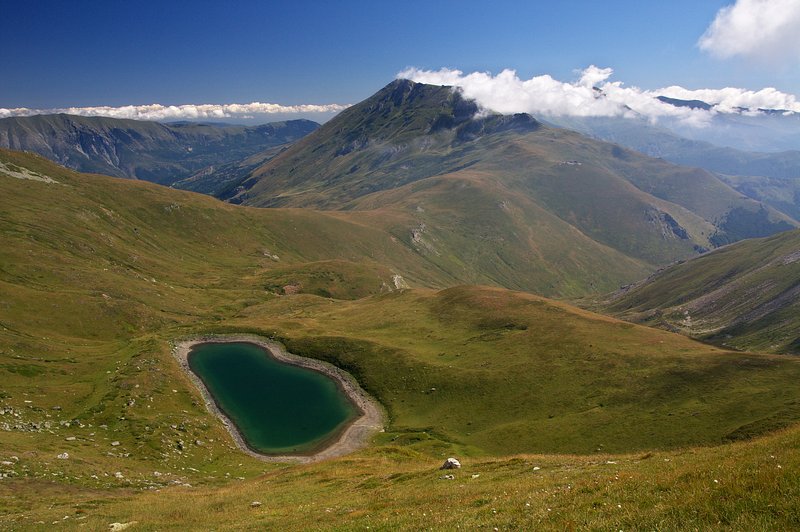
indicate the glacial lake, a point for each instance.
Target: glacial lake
{"x":277,"y":407}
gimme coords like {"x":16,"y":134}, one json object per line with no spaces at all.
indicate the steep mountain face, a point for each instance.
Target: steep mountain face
{"x":770,"y":177}
{"x":507,"y":190}
{"x":144,"y":150}
{"x":405,"y":132}
{"x":746,"y":295}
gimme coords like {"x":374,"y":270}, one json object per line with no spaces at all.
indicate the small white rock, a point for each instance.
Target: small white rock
{"x":115,"y":527}
{"x":63,"y":456}
{"x":451,"y":463}
{"x":114,"y":443}
{"x":255,"y":504}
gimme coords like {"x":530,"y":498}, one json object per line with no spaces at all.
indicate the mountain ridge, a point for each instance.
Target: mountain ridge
{"x":648,"y":209}
{"x":140,"y":149}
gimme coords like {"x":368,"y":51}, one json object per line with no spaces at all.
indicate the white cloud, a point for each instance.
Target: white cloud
{"x":732,"y":100}
{"x":759,"y":29}
{"x":594,"y":95}
{"x":181,"y":112}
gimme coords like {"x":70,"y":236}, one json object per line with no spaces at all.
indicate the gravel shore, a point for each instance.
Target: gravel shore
{"x":355,"y":436}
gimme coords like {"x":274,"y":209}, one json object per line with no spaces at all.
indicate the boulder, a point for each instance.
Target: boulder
{"x":451,"y":463}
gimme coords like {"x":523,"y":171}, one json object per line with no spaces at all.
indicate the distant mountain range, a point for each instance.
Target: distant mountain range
{"x":151,"y":151}
{"x":747,"y":129}
{"x":771,"y":177}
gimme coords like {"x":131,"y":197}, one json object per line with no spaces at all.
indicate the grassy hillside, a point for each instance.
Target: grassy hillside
{"x":103,"y":260}
{"x":100,"y":275}
{"x":490,"y":234}
{"x":266,"y":239}
{"x":744,"y":295}
{"x":162,"y":153}
{"x":499,"y":372}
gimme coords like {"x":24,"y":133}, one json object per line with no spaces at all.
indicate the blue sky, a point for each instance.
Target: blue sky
{"x":61,"y":54}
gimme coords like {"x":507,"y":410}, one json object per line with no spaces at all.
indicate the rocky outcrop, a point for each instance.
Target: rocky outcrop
{"x":451,"y":463}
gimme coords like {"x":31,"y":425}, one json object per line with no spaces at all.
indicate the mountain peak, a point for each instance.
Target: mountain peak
{"x":404,"y":108}
{"x":691,"y":104}
{"x":415,"y":108}
{"x":405,"y":132}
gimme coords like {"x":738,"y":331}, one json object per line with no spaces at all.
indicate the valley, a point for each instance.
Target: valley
{"x":102,"y":276}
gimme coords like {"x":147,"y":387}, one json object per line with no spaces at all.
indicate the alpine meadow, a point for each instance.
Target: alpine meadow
{"x":257,"y":272}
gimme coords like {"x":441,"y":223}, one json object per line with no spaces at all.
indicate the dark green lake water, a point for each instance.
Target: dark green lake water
{"x":278,"y":408}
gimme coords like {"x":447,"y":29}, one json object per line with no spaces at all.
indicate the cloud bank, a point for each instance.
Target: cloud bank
{"x":594,"y":95}
{"x":756,"y":29}
{"x":181,"y":112}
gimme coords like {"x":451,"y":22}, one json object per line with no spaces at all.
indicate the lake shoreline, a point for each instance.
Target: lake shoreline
{"x":355,"y":434}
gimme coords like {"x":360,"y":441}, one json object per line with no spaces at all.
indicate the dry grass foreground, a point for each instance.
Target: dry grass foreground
{"x":751,"y":485}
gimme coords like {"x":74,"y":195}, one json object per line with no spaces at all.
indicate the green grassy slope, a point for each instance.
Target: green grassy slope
{"x":744,"y":295}
{"x":383,"y":237}
{"x":99,"y":275}
{"x":491,"y":234}
{"x":498,"y":372}
{"x":162,"y":153}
